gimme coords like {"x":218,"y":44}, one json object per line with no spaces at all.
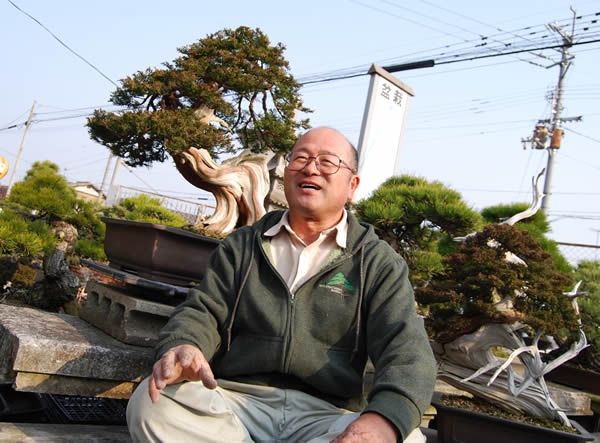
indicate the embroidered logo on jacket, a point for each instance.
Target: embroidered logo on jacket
{"x":339,"y":284}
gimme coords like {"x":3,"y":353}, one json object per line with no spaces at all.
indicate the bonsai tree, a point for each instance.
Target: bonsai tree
{"x":537,"y":225}
{"x":45,"y":202}
{"x":228,"y":92}
{"x":589,"y":273}
{"x":145,"y":209}
{"x":42,"y":223}
{"x":478,"y":277}
{"x":500,"y":289}
{"x":418,"y":219}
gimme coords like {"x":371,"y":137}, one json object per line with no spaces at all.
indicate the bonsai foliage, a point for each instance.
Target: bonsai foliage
{"x":536,"y":224}
{"x":478,"y":276}
{"x":418,"y":219}
{"x":21,"y":237}
{"x":589,"y":273}
{"x":43,"y":198}
{"x":230,"y":90}
{"x":145,"y":209}
{"x":43,"y":194}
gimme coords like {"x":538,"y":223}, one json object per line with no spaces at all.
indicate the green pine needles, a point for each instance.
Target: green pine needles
{"x":231,"y":90}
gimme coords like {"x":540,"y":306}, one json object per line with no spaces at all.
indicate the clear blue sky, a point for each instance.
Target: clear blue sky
{"x":464,"y":124}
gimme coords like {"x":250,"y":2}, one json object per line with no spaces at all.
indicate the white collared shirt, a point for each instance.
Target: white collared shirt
{"x":296,"y":261}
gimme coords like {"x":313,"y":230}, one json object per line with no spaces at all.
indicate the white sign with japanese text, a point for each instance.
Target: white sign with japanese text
{"x":382,"y":130}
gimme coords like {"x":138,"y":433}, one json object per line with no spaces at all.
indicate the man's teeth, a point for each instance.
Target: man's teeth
{"x":309,"y":186}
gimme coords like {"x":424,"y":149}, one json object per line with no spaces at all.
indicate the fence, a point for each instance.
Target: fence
{"x":576,"y":252}
{"x":191,"y":211}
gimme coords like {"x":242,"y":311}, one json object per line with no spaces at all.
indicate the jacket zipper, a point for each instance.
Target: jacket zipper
{"x":287,"y":361}
{"x":290,"y":308}
{"x":287,"y":343}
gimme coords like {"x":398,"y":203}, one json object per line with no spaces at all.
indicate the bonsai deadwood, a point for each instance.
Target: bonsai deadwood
{"x":464,"y":363}
{"x":240,"y":186}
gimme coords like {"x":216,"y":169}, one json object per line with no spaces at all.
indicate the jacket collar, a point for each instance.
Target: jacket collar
{"x":358,"y":232}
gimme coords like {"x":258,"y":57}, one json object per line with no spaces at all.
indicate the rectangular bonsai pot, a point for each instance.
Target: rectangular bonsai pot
{"x":157,"y":252}
{"x":455,"y":425}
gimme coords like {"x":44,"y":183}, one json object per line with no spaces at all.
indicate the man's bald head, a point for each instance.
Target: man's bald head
{"x":352,"y":154}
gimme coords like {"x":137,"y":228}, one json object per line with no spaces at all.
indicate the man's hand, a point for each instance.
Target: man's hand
{"x":369,"y":427}
{"x":183,"y":362}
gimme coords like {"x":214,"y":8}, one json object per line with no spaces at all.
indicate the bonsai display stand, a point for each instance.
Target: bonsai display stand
{"x":129,"y":319}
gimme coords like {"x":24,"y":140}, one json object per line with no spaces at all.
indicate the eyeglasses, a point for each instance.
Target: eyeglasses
{"x":326,"y":163}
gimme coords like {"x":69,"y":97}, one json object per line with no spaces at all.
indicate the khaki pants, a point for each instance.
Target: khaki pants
{"x":236,"y":412}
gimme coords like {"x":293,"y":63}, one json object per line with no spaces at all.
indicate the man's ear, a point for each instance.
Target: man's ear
{"x":354,"y":182}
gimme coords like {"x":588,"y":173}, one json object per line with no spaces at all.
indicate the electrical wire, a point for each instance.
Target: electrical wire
{"x":64,"y":44}
{"x":582,"y":135}
{"x":135,"y":175}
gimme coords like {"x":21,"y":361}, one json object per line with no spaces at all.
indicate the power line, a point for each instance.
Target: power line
{"x":64,"y":44}
{"x":476,"y":48}
{"x":582,"y":135}
{"x":456,"y":60}
{"x":418,"y":23}
{"x":456,"y":26}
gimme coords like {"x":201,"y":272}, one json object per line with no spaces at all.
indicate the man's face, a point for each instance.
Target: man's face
{"x":313,"y":193}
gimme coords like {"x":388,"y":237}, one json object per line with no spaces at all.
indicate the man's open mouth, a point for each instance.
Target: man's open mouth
{"x":309,"y":186}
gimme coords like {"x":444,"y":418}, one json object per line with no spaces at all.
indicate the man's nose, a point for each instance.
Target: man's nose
{"x":311,"y":166}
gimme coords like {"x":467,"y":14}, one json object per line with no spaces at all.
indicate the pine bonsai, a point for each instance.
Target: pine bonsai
{"x":418,"y":219}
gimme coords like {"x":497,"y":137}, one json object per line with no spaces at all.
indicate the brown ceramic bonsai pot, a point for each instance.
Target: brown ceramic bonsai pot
{"x":157,"y":252}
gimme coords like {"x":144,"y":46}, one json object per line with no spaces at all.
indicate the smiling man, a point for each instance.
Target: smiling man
{"x":272,"y":345}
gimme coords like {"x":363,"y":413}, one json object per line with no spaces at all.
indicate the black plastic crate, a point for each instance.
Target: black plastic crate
{"x":20,"y":407}
{"x":84,"y":410}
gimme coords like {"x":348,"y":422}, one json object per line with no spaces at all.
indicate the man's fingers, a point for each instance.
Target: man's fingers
{"x":208,"y":379}
{"x":186,"y":355}
{"x":153,"y":391}
{"x":177,"y":364}
{"x":167,"y":366}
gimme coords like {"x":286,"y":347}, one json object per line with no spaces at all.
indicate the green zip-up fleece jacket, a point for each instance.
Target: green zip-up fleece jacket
{"x":360,"y":304}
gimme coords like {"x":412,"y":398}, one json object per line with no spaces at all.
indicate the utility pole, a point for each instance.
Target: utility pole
{"x":12,"y":176}
{"x":555,"y":119}
{"x":110,"y":157}
{"x":115,"y":172}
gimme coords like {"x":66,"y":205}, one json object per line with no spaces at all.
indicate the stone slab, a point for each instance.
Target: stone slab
{"x":129,"y":319}
{"x":63,"y":385}
{"x":33,"y":341}
{"x":43,"y":432}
